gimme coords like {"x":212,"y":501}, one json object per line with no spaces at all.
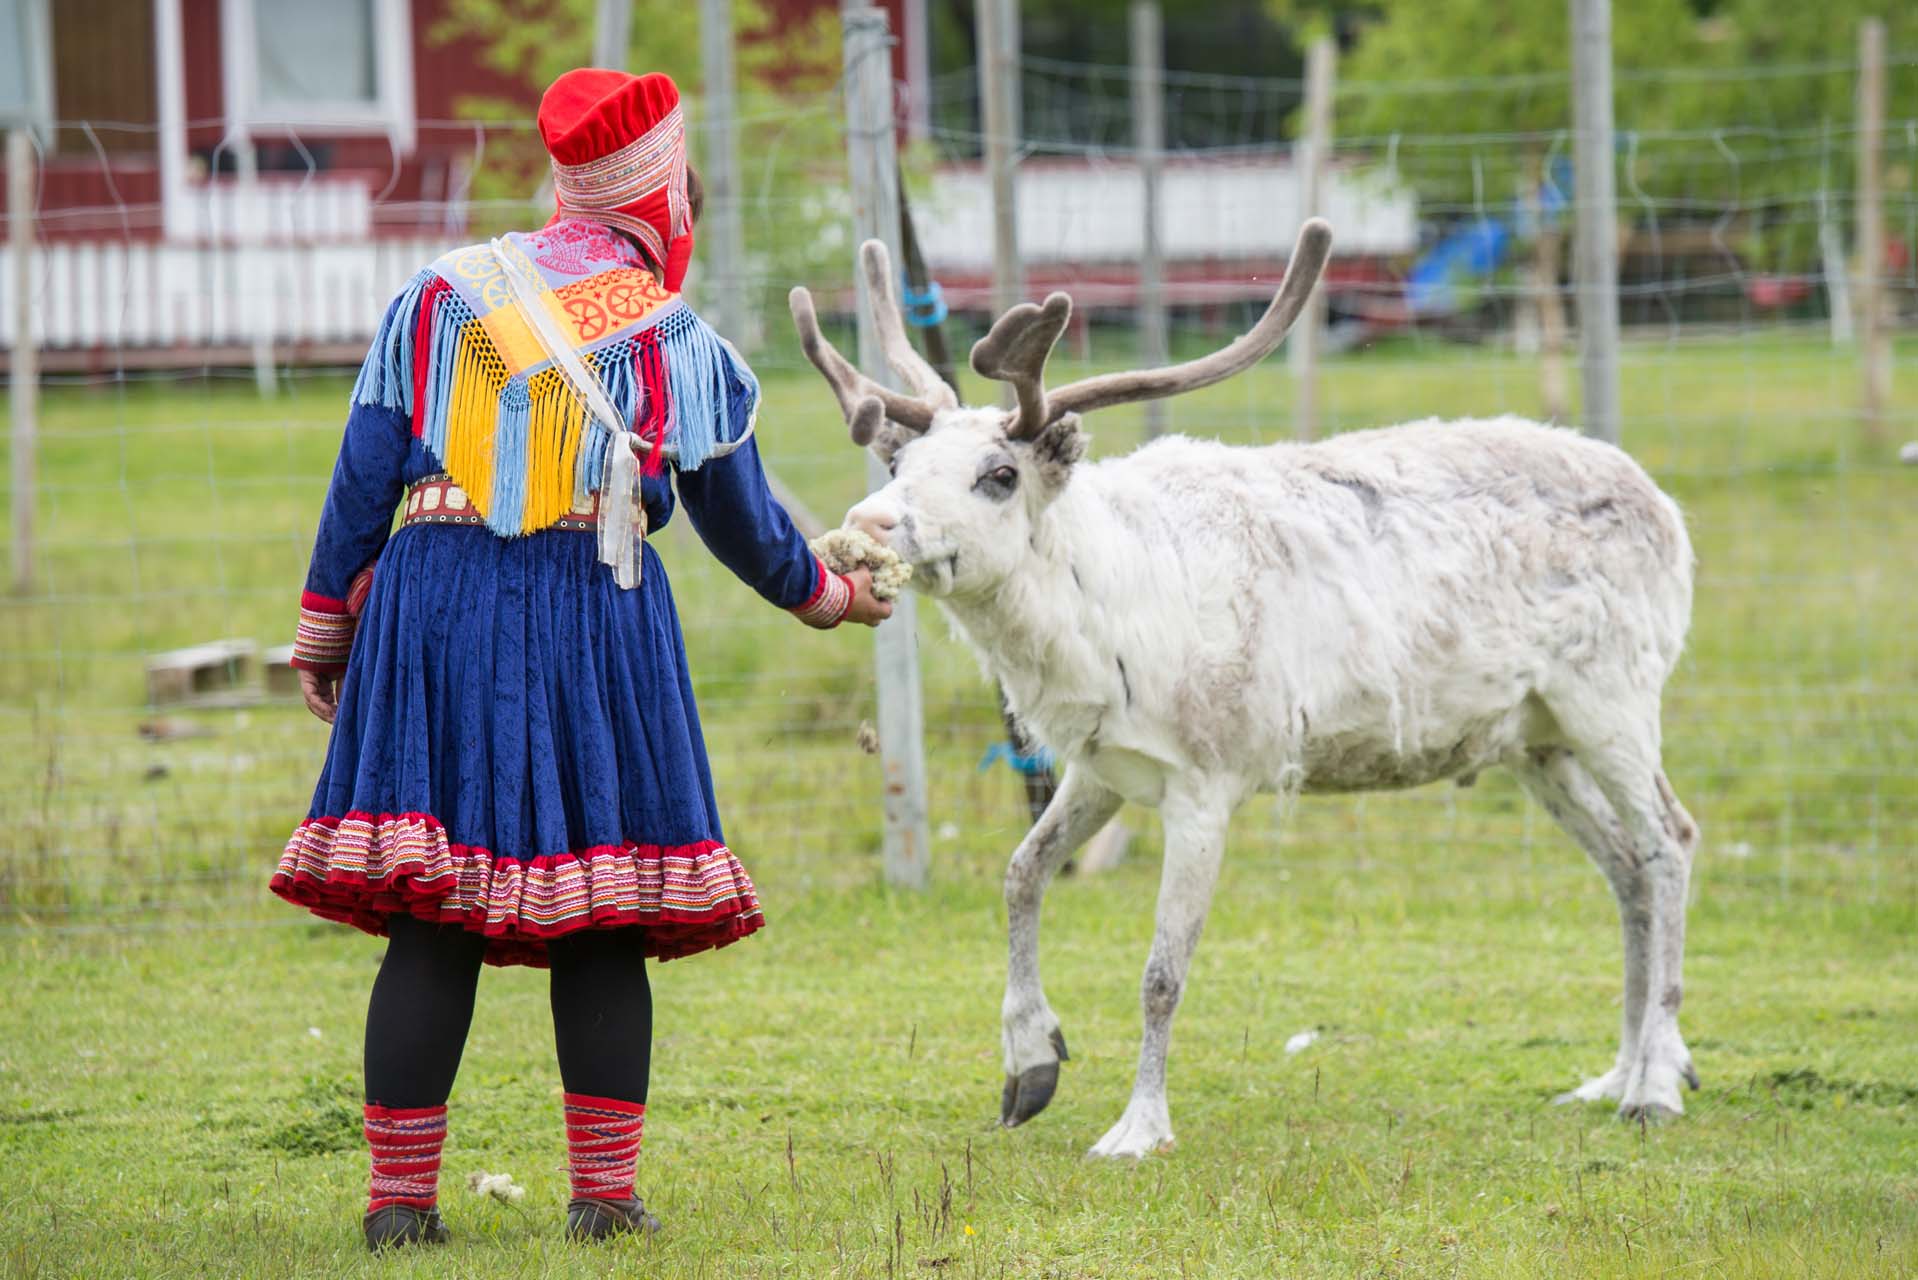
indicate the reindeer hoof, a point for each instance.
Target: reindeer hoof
{"x":1648,"y":1113}
{"x":1027,"y":1093}
{"x":1058,"y":1039}
{"x":1690,"y":1073}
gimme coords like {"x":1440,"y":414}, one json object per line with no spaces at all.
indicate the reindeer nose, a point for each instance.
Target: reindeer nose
{"x":875,"y":521}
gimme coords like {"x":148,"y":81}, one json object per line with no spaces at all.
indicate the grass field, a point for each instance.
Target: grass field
{"x":178,"y":1053}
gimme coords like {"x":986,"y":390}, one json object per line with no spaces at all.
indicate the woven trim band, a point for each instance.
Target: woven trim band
{"x":600,"y":189}
{"x":436,"y":499}
{"x":831,"y":600}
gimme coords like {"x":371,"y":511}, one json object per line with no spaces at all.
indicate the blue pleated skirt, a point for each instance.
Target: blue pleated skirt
{"x":517,"y":751}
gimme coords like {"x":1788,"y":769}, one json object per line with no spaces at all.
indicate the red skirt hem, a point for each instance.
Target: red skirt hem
{"x":361,"y":869}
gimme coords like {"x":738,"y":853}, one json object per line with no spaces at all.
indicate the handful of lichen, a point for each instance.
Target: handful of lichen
{"x":846,"y":549}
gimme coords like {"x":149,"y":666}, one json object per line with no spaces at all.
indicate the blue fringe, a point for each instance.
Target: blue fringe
{"x":510,"y":438}
{"x":448,"y":319}
{"x":713,"y":393}
{"x":386,"y":376}
{"x":613,"y":366}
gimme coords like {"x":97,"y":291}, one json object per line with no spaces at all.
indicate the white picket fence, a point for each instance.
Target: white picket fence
{"x":129,"y":297}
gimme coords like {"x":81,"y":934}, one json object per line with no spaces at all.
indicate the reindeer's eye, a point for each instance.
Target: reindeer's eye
{"x":997,"y":483}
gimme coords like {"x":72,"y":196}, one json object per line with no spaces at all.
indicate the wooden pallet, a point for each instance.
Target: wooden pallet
{"x":282,"y":678}
{"x":220,"y":673}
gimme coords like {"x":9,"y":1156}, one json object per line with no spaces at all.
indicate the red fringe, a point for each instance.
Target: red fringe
{"x":422,"y":347}
{"x":655,"y":405}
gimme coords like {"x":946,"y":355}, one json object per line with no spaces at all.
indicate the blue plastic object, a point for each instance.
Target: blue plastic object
{"x":922,"y":309}
{"x":1038,"y":762}
{"x":1442,"y":282}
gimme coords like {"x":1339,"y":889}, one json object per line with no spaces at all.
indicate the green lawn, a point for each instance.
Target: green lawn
{"x":178,"y":1052}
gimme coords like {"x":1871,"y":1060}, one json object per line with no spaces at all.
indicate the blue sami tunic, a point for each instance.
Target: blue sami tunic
{"x":516,"y":748}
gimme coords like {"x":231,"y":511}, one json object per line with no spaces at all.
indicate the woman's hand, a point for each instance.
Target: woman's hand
{"x":865,"y":607}
{"x":321,"y":693}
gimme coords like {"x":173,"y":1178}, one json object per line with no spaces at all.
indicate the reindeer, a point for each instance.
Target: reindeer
{"x":1193,"y":623}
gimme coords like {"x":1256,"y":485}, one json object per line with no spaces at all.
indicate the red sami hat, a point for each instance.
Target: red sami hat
{"x":618,"y":144}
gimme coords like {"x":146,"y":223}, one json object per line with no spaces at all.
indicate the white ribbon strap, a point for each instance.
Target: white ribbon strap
{"x":526,"y":296}
{"x":619,"y":490}
{"x":619,"y":496}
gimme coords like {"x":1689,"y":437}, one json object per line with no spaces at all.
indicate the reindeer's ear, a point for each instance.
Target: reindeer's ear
{"x":889,"y":438}
{"x":1058,"y":448}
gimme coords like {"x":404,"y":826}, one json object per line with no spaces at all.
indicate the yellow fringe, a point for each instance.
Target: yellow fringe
{"x":557,"y":421}
{"x":473,"y":416}
{"x":555,"y":427}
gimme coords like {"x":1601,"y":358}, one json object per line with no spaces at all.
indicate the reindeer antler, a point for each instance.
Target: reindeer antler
{"x":862,"y":400}
{"x":920,"y":378}
{"x":1301,"y":274}
{"x":1015,"y":350}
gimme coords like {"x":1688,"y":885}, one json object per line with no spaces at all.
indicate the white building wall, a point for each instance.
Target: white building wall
{"x":1216,"y":209}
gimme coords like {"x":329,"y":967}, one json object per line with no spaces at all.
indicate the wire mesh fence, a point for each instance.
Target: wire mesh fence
{"x":176,"y":502}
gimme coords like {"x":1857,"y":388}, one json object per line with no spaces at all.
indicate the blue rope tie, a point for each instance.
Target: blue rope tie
{"x":1037,"y":763}
{"x":923,"y":309}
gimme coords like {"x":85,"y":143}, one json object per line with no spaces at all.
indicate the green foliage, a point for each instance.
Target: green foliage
{"x":1476,"y":113}
{"x":1781,"y":83}
{"x":1751,"y":107}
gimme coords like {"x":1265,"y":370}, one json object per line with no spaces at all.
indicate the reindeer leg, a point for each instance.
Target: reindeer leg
{"x":1564,"y":788}
{"x":1194,"y":844}
{"x":1643,"y":839}
{"x":1662,"y":838}
{"x":1034,"y":1045}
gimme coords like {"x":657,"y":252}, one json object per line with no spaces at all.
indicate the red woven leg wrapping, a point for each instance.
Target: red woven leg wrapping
{"x":602,"y":1145}
{"x":405,"y":1143}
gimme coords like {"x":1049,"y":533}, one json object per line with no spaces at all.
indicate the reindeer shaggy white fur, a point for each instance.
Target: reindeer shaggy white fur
{"x":1192,"y":623}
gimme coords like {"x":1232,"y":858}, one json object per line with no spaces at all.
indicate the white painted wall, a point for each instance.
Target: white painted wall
{"x":1091,"y":213}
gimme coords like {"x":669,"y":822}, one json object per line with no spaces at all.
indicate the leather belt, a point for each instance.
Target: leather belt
{"x":435,"y":499}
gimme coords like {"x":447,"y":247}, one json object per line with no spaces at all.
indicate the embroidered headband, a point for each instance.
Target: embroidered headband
{"x":604,"y":189}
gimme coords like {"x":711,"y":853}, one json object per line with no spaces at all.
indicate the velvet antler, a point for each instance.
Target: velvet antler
{"x":1301,"y":274}
{"x":863,"y":401}
{"x":920,"y":377}
{"x":1015,"y":349}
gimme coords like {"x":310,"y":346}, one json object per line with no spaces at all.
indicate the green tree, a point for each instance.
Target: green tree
{"x":1741,"y":105}
{"x":1776,"y":93}
{"x":1474,"y":105}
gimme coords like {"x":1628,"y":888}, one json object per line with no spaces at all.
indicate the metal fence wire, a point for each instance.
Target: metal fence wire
{"x":177,"y":484}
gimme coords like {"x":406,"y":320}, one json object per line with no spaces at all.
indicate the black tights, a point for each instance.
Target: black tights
{"x":422,"y":1006}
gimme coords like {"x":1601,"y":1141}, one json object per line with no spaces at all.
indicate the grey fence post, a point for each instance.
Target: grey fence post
{"x":871,"y":150}
{"x":997,"y":36}
{"x":719,"y":171}
{"x":1302,"y":346}
{"x":612,"y":31}
{"x":1148,"y":140}
{"x":1595,"y":198}
{"x":24,"y":372}
{"x":1874,"y":343}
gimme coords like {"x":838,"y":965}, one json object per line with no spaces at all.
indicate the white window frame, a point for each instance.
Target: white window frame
{"x":391,"y":113}
{"x":37,"y":40}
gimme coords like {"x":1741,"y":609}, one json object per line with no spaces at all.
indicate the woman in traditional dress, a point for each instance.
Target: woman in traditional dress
{"x":516,"y":773}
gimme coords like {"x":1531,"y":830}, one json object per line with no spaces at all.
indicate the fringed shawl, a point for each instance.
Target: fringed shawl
{"x":460,"y":360}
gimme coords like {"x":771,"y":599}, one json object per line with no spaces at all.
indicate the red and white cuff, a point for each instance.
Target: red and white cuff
{"x":324,"y":638}
{"x":831,"y":599}
{"x":325,"y":634}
